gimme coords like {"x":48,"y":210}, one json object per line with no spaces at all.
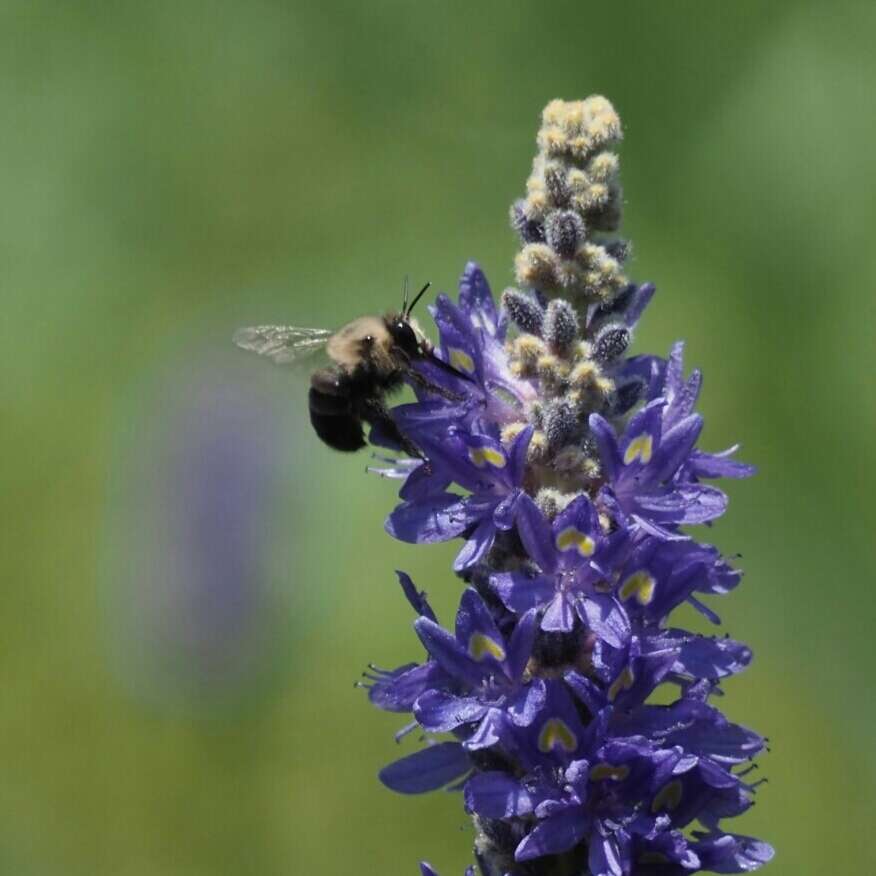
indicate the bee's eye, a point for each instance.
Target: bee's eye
{"x":404,"y":336}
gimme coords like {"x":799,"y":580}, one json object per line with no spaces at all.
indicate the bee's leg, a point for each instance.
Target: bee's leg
{"x":426,"y":384}
{"x":375,"y":412}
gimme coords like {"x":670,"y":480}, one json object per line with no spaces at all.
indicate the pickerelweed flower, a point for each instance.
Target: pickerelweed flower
{"x":570,"y":473}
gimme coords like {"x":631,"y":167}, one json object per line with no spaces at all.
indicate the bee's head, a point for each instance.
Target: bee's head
{"x":404,"y":335}
{"x":403,"y":329}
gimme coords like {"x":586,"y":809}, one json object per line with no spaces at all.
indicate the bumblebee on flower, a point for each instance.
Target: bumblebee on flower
{"x":570,"y":473}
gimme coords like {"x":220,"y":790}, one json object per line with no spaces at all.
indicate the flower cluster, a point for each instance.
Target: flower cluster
{"x":568,"y":471}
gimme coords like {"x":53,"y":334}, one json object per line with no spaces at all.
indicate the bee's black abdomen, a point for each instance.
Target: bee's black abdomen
{"x":334,"y":422}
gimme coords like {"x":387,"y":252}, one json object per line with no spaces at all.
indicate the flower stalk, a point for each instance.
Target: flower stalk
{"x":569,"y":472}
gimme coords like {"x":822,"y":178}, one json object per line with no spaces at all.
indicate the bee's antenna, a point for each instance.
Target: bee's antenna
{"x":405,"y":298}
{"x":407,"y":311}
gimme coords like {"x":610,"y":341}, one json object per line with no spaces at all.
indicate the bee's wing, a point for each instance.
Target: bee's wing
{"x":285,"y":344}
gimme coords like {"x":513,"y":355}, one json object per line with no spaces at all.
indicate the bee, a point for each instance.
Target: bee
{"x":370,"y":357}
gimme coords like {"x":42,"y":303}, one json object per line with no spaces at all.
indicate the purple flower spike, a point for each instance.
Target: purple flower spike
{"x":565,"y":701}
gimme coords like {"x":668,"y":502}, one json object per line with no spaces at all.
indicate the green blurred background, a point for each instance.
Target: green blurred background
{"x":191,"y":582}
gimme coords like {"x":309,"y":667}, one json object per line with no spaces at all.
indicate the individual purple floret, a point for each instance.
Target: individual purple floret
{"x":575,"y":558}
{"x":493,"y":475}
{"x":574,"y":715}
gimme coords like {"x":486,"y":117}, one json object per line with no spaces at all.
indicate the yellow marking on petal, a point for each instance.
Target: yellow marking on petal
{"x":603,"y":771}
{"x":623,"y":682}
{"x":653,"y":858}
{"x":574,"y":538}
{"x":461,"y":360}
{"x":556,"y":734}
{"x":641,"y":585}
{"x":668,"y":797}
{"x":482,"y":456}
{"x":479,"y":646}
{"x":640,"y":448}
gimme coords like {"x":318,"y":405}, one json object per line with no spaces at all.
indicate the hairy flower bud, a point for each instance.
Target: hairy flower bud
{"x":560,"y":423}
{"x":611,"y":342}
{"x":529,"y":230}
{"x":560,"y":329}
{"x":525,"y":312}
{"x":564,"y":230}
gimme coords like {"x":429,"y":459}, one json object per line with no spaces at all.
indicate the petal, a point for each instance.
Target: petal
{"x":427,"y":769}
{"x":476,"y":299}
{"x":576,"y":531}
{"x":476,"y":546}
{"x":605,"y":616}
{"x":520,"y":593}
{"x":683,"y":404}
{"x":606,"y":441}
{"x":714,"y":736}
{"x":658,"y":531}
{"x":673,"y":847}
{"x":642,"y":676}
{"x":422,"y":483}
{"x":556,"y":834}
{"x":460,"y":342}
{"x":609,"y":855}
{"x":520,"y":645}
{"x":505,"y":512}
{"x":524,"y":709}
{"x":559,"y":616}
{"x":477,"y":631}
{"x":717,"y":465}
{"x":638,"y":302}
{"x":649,"y":369}
{"x":535,"y":533}
{"x":675,"y":447}
{"x":641,"y":437}
{"x":732,"y":853}
{"x":586,"y":690}
{"x":397,"y":691}
{"x":517,"y":455}
{"x":489,"y":731}
{"x":448,"y":652}
{"x":685,"y":503}
{"x":440,"y":712}
{"x":438,"y":518}
{"x":496,"y":795}
{"x":416,"y":598}
{"x":706,"y":657}
{"x":674,"y":379}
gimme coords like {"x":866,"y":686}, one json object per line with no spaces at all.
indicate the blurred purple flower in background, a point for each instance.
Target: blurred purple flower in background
{"x":193,"y":536}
